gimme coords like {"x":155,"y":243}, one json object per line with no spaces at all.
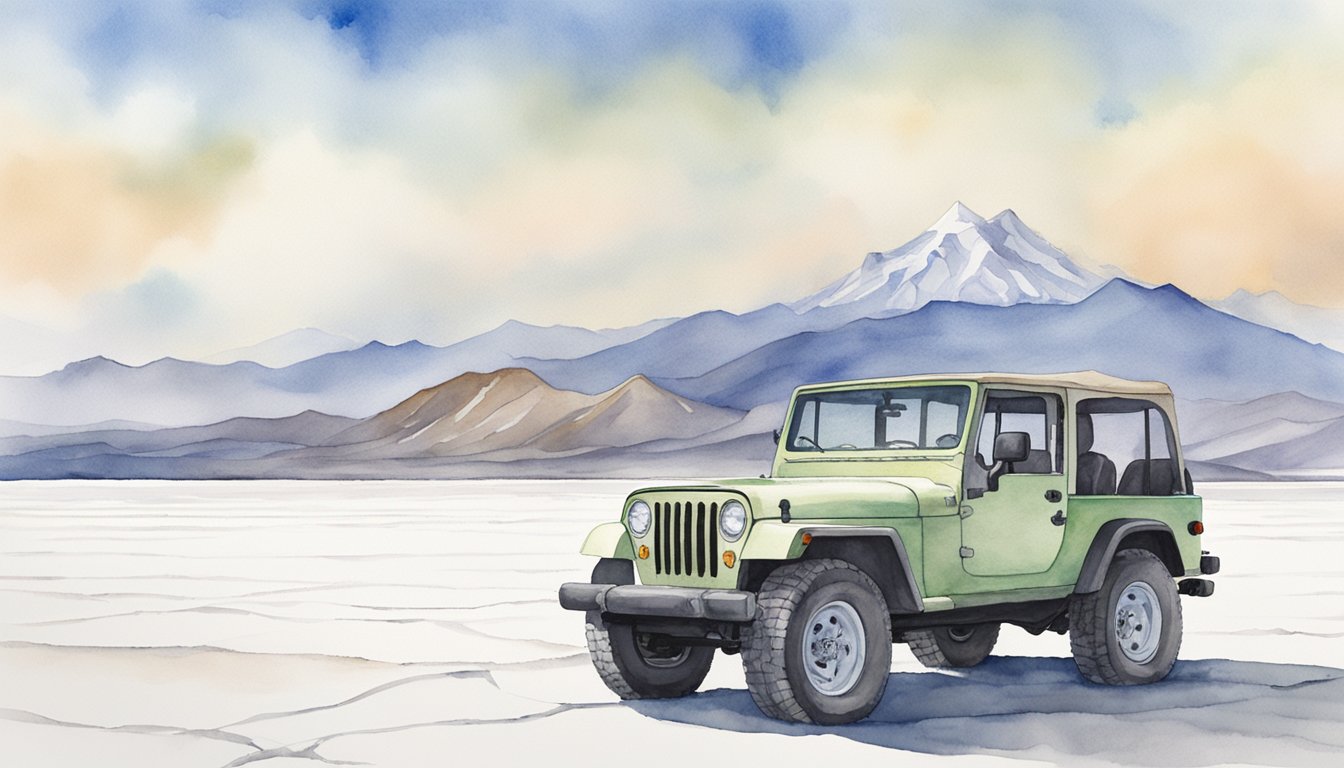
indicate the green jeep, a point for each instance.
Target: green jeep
{"x":927,"y":510}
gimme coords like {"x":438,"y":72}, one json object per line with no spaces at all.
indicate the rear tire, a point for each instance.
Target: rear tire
{"x":1129,"y":631}
{"x":819,"y":650}
{"x":947,"y":647}
{"x":635,"y":665}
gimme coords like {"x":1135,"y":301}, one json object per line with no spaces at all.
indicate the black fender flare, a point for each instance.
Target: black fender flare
{"x":1107,"y":542}
{"x":898,"y":585}
{"x":611,"y":570}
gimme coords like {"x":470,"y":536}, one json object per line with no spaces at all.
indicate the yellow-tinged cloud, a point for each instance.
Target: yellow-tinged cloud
{"x":1230,"y":213}
{"x":78,"y":216}
{"x":1243,"y":188}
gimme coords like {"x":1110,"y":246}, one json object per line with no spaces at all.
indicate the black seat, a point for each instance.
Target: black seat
{"x":1037,"y":463}
{"x":1161,"y":478}
{"x":1096,"y":473}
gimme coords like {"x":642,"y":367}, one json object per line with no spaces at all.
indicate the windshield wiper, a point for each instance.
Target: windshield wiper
{"x":813,"y":442}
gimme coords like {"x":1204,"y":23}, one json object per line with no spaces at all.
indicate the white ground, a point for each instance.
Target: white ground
{"x":415,"y":624}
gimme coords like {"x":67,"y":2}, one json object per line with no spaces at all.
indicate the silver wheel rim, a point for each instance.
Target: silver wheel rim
{"x":1138,"y":622}
{"x":834,"y":648}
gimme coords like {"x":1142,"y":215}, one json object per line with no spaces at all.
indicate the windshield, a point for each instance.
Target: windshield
{"x":889,"y":418}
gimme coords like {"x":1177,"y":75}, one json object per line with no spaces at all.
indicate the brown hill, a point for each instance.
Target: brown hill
{"x":635,"y":412}
{"x":514,"y":412}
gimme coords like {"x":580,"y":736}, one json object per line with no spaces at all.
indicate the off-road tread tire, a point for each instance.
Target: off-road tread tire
{"x":928,"y":644}
{"x":763,"y":641}
{"x":1090,"y":618}
{"x":604,"y":660}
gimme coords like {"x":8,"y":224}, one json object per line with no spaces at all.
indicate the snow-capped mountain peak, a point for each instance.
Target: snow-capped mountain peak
{"x":958,"y":218}
{"x":962,"y":257}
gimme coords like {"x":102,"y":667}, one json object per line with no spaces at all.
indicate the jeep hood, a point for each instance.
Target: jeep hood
{"x":834,"y":498}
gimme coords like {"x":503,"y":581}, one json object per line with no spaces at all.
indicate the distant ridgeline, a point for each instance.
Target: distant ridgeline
{"x":695,"y":395}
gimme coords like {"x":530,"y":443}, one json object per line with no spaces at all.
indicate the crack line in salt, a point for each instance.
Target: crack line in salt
{"x":219,"y":734}
{"x":219,"y":610}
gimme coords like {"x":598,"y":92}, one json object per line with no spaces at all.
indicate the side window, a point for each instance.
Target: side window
{"x":1037,"y":414}
{"x":1125,"y":447}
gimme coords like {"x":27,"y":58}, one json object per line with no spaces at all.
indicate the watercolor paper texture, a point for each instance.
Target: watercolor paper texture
{"x":518,"y":257}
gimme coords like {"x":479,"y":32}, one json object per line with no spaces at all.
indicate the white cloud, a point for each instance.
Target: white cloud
{"x":153,"y":121}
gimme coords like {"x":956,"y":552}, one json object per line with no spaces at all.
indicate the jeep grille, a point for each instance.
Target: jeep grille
{"x":686,"y":538}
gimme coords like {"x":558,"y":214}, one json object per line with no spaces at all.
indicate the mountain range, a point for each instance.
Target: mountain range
{"x":506,"y":420}
{"x":356,"y":383}
{"x":1122,"y":329}
{"x":674,"y":394}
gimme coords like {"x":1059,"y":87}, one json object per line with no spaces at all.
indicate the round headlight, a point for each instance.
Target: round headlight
{"x":638,"y":518}
{"x":732,"y":521}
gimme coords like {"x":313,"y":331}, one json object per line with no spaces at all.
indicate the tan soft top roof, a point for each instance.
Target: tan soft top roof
{"x":1077,"y":380}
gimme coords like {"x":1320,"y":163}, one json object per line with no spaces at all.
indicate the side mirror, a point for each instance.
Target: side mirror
{"x":1009,"y":448}
{"x":776,"y":437}
{"x":1012,"y":447}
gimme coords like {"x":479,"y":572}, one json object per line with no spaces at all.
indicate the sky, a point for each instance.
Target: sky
{"x":179,"y":178}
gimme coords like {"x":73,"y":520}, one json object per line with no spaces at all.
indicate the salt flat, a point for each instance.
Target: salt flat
{"x":415,"y":624}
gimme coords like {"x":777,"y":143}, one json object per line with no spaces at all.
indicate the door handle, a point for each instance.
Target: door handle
{"x":1053,"y":496}
{"x":1058,"y":518}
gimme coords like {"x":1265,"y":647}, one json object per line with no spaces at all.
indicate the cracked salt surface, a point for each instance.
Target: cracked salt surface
{"x":406,"y":624}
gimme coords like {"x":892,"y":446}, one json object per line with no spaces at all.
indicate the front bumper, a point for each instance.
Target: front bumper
{"x":660,"y":602}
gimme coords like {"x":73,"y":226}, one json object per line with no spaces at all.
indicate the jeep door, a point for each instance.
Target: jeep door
{"x":1014,"y":511}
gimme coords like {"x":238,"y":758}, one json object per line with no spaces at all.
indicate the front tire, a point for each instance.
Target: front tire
{"x":819,"y":650}
{"x":948,"y":647}
{"x":1129,"y":631}
{"x":636,"y":665}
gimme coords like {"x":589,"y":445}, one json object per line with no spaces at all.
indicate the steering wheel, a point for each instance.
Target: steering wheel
{"x":947,"y":441}
{"x":894,"y":443}
{"x":850,"y":446}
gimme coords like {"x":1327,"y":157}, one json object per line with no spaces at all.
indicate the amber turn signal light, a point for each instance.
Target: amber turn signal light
{"x":643,"y":552}
{"x":1196,"y":528}
{"x":729,"y":558}
{"x":807,"y":539}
